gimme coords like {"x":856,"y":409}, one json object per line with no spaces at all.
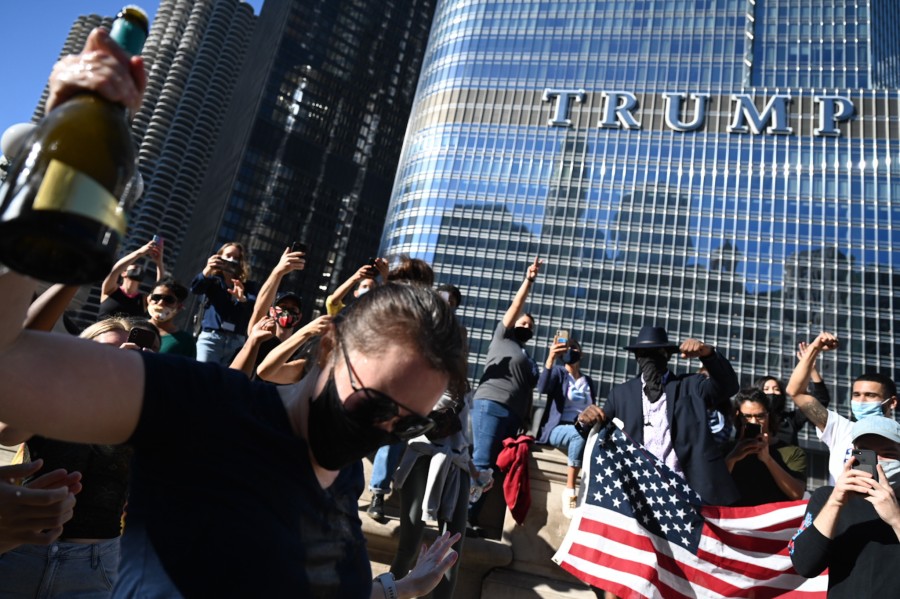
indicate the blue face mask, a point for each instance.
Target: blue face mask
{"x":864,"y":409}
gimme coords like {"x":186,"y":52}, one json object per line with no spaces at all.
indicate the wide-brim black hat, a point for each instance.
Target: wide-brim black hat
{"x":651,"y":337}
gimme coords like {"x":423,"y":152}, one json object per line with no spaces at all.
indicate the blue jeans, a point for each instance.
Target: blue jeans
{"x":386,"y":459}
{"x":76,"y":570}
{"x":565,"y":437}
{"x":141,"y":574}
{"x":492,"y":422}
{"x":218,"y":346}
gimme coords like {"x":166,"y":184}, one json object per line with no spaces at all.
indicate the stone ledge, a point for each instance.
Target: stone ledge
{"x":517,"y":564}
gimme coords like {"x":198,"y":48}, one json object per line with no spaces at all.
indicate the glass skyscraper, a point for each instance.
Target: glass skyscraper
{"x":725,"y":168}
{"x":317,"y":123}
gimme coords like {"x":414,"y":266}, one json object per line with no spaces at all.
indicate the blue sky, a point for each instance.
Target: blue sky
{"x":32,"y":33}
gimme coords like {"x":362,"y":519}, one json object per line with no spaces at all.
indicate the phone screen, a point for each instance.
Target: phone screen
{"x":866,"y":460}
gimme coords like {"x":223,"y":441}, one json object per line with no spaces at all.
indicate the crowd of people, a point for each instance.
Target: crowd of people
{"x":239,"y":452}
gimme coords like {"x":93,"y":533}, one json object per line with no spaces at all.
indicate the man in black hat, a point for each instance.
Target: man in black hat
{"x":666,"y":413}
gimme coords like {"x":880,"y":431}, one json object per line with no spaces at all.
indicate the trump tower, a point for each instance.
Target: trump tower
{"x":723,"y":168}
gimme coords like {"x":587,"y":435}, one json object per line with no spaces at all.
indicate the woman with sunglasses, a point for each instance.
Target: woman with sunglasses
{"x":764,"y":468}
{"x":163,"y":305}
{"x":266,"y":504}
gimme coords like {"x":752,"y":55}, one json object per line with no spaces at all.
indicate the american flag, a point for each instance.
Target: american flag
{"x":642,"y":532}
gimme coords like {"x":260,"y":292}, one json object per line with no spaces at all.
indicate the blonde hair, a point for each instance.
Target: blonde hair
{"x":107,"y":325}
{"x":119,"y":323}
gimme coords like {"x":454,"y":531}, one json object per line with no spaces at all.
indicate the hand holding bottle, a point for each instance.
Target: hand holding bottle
{"x":102,"y":67}
{"x":63,"y":205}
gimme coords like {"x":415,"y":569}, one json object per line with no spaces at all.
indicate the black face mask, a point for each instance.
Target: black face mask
{"x":337,"y":437}
{"x":572,"y":356}
{"x":522,"y":334}
{"x":776,"y":403}
{"x":653,"y":367}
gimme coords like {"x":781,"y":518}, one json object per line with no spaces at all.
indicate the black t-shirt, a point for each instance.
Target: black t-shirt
{"x":104,"y":480}
{"x":509,"y":375}
{"x":117,"y":303}
{"x":755,"y":482}
{"x":861,"y":556}
{"x":228,"y":495}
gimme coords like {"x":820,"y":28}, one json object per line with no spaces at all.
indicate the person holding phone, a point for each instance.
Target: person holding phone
{"x":230,"y":298}
{"x":569,"y":392}
{"x":853,"y":528}
{"x":764,"y":468}
{"x":126,"y":298}
{"x":163,"y":305}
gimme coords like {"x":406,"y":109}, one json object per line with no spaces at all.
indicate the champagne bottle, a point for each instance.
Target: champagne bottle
{"x":61,"y":219}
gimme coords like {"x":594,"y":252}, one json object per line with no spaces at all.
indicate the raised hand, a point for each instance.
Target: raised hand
{"x":694,"y":348}
{"x":534,"y":269}
{"x":102,"y":67}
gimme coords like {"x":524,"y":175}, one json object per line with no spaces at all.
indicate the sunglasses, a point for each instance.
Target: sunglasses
{"x":166,"y":299}
{"x":380,"y":407}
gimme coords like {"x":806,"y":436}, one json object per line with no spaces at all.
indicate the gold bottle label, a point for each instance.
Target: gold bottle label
{"x":65,"y":189}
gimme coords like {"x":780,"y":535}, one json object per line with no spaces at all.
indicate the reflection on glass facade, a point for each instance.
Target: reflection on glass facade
{"x":726,"y":168}
{"x":327,"y":131}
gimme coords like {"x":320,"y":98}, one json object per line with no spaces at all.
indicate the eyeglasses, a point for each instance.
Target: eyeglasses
{"x":754,"y":417}
{"x":166,"y":299}
{"x":380,"y":407}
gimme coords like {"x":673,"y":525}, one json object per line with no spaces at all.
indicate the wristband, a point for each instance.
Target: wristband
{"x":388,"y":585}
{"x":530,"y":279}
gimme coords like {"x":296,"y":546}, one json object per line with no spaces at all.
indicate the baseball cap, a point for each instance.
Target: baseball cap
{"x":877,"y":425}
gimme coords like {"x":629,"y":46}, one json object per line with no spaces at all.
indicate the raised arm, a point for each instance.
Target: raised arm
{"x":59,"y":386}
{"x":817,"y":387}
{"x":111,"y":282}
{"x":276,"y":367}
{"x":337,"y":297}
{"x":799,"y":381}
{"x":518,"y":303}
{"x":289,"y":261}
{"x":46,"y":310}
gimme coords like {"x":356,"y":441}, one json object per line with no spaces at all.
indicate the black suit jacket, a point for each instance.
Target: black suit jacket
{"x":687,"y":398}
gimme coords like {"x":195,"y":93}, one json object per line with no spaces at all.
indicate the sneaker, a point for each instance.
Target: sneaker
{"x":376,"y":508}
{"x":569,"y":502}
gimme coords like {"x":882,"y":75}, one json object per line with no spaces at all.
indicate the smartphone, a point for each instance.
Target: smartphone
{"x":373,"y":262}
{"x":158,"y":240}
{"x":230,"y":265}
{"x":752,"y":430}
{"x":866,"y":460}
{"x":562,"y":336}
{"x":298,"y":246}
{"x":142,"y":337}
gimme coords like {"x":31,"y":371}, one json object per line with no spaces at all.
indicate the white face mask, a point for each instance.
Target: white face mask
{"x":891,"y":471}
{"x":161,"y":313}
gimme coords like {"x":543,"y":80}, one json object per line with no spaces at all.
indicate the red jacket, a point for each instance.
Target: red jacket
{"x":513,"y":460}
